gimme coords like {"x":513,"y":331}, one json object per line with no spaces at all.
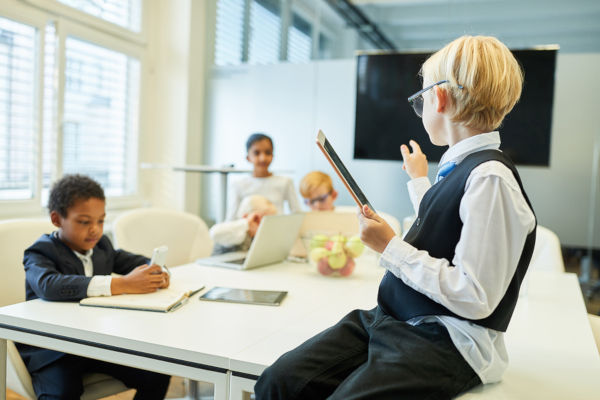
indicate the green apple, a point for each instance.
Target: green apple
{"x":318,"y":241}
{"x":337,"y":247}
{"x":338,"y":238}
{"x":317,"y":253}
{"x":337,"y":260}
{"x":354,"y":246}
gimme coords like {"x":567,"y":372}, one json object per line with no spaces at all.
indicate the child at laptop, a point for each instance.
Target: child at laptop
{"x":277,"y":189}
{"x":452,"y":282}
{"x":319,"y":195}
{"x":74,"y":262}
{"x":237,"y":235}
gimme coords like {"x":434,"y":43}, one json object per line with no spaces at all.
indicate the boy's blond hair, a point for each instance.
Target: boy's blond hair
{"x":490,"y":76}
{"x":314,"y":180}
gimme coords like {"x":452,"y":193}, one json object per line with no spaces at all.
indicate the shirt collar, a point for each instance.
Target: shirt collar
{"x":84,"y":257}
{"x":482,"y":141}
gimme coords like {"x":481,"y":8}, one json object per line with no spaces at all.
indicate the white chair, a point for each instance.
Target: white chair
{"x":595,"y":324}
{"x":140,"y":231}
{"x":15,"y":236}
{"x":547,"y":254}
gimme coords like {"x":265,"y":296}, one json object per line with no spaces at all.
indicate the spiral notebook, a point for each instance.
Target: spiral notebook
{"x":163,"y":300}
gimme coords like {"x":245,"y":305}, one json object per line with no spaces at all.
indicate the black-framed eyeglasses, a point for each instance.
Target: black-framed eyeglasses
{"x":318,"y":199}
{"x":416,"y":100}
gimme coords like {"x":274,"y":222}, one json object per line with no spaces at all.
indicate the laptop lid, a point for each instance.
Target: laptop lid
{"x":271,"y":244}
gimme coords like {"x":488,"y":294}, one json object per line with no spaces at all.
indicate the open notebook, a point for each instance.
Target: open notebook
{"x":163,"y":300}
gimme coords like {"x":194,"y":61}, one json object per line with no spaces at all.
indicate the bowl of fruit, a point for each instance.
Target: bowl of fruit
{"x":333,"y":254}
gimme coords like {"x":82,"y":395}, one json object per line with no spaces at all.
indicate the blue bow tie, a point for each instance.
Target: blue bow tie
{"x":444,"y":170}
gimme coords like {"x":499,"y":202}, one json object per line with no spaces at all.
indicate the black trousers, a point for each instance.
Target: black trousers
{"x":370,"y":355}
{"x":62,"y":379}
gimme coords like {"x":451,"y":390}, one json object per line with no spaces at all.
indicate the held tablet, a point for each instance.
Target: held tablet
{"x":233,"y":295}
{"x":342,"y":172}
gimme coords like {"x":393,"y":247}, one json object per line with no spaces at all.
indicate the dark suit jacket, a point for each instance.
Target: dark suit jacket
{"x":53,"y":272}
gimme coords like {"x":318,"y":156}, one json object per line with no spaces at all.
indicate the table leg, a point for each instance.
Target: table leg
{"x":223,"y":196}
{"x":2,"y":369}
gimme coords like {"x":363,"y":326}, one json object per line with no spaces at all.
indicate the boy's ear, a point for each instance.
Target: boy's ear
{"x":442,"y":98}
{"x":55,"y":219}
{"x":334,"y":194}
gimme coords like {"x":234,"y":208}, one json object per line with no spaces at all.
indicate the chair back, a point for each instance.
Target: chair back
{"x":547,"y":254}
{"x":140,"y":231}
{"x":15,"y":236}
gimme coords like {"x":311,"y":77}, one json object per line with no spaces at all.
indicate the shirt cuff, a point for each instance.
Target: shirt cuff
{"x":395,"y":253}
{"x":99,"y":286}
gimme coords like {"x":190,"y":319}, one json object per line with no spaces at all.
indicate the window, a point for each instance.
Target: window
{"x":265,"y":32}
{"x":100,"y":110}
{"x":125,"y":13}
{"x":229,"y":33}
{"x":300,"y":40}
{"x":18,"y":150}
{"x":69,"y":99}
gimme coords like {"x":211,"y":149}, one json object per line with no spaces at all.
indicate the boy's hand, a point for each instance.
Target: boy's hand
{"x":415,"y":163}
{"x":143,"y":279}
{"x":374,"y":231}
{"x":253,"y":223}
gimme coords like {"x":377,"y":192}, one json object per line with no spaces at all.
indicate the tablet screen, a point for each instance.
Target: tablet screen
{"x":342,"y":171}
{"x":233,"y":295}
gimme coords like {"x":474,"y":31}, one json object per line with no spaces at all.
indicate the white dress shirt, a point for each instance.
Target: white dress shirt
{"x":100,"y":284}
{"x":496,"y":220}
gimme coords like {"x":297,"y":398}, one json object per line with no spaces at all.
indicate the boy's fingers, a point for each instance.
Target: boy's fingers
{"x":404,"y":151}
{"x":415,"y":146}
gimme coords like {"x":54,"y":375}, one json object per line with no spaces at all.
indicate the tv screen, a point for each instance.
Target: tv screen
{"x":385,"y":119}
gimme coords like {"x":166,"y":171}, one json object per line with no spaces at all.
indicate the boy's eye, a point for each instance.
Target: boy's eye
{"x":101,"y":222}
{"x":84,"y":222}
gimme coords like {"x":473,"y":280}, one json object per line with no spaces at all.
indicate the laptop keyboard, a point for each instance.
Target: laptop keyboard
{"x":238,"y":261}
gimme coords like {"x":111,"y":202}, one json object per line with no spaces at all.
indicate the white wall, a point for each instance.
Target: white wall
{"x":178,"y":42}
{"x":291,"y":102}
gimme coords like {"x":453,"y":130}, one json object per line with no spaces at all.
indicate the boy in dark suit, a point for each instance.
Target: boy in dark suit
{"x":76,"y":262}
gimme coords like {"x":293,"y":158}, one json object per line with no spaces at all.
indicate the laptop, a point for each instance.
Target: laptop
{"x":272,"y":243}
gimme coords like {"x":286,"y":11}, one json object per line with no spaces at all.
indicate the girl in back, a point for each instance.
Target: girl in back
{"x":277,"y":189}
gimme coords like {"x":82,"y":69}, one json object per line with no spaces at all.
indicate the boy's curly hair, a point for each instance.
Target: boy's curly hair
{"x":71,"y":188}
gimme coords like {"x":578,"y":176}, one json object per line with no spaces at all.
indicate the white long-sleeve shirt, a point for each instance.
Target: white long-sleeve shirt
{"x":496,"y":220}
{"x":277,"y":189}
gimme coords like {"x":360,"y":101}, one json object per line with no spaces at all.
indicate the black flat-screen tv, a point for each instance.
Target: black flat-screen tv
{"x":385,"y":120}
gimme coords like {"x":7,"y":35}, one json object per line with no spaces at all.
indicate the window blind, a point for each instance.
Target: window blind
{"x":125,"y":13}
{"x":265,"y":32}
{"x":229,"y":33}
{"x":299,"y":40}
{"x":18,"y":116}
{"x":49,"y":156}
{"x":100,"y":114}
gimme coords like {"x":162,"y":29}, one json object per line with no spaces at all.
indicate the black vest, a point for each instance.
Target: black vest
{"x":437,"y":231}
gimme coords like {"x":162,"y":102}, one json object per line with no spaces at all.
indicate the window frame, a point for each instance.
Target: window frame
{"x":39,"y":14}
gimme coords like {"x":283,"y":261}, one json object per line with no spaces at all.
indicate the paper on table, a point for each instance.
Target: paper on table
{"x":163,"y":300}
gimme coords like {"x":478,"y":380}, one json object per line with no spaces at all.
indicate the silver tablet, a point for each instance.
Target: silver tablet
{"x":247,"y":296}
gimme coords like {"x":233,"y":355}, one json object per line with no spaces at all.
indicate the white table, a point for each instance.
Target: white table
{"x":553,"y":355}
{"x":198,"y":340}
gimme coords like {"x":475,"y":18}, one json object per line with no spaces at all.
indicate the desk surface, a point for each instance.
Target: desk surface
{"x":550,"y":344}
